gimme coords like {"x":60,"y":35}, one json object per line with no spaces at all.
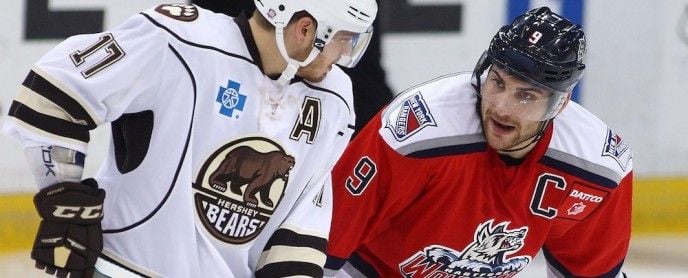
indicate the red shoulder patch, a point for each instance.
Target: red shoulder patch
{"x":581,"y":202}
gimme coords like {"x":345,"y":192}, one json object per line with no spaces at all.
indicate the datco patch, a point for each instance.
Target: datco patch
{"x":581,"y":202}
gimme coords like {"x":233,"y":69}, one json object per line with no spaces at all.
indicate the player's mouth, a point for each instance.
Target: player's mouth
{"x":500,"y":127}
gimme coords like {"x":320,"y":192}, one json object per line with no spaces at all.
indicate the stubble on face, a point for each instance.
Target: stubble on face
{"x":503,"y":129}
{"x":504,"y":132}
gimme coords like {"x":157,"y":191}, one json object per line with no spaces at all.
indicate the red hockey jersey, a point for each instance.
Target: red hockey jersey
{"x":419,"y":193}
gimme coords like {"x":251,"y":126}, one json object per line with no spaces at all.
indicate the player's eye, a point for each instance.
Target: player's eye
{"x":525,"y":97}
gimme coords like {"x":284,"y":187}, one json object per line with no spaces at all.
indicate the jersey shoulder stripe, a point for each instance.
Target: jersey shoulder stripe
{"x":434,"y":118}
{"x":457,"y":145}
{"x":584,"y":146}
{"x":203,"y":32}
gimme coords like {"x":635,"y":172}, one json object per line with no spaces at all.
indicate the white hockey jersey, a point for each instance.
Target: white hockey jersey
{"x":213,"y":170}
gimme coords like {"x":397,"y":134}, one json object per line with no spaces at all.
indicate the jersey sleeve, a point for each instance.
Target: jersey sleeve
{"x":298,"y":246}
{"x":597,"y":245}
{"x":85,"y":81}
{"x":367,"y":189}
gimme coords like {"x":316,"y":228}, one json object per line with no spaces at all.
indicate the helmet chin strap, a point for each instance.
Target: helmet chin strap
{"x":536,"y":138}
{"x":292,"y":65}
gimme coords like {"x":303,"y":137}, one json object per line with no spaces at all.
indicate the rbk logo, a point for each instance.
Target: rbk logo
{"x":230,"y":99}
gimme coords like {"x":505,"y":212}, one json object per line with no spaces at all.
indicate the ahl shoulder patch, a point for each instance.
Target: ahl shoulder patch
{"x":617,"y":149}
{"x":409,"y":117}
{"x":181,"y":12}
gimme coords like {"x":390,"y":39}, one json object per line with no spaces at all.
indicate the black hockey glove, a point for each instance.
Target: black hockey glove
{"x":69,"y":238}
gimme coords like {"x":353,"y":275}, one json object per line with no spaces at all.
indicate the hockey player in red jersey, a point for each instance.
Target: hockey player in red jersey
{"x":471,"y":174}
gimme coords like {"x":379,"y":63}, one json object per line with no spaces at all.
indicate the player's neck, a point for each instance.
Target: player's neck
{"x":272,"y":61}
{"x":521,"y":150}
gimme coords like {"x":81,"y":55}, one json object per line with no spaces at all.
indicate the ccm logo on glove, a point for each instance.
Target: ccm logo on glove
{"x":72,"y":212}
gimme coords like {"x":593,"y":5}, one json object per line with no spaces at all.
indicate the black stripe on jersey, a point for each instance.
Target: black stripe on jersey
{"x":290,"y":238}
{"x":449,"y":150}
{"x":334,"y":263}
{"x":43,"y":87}
{"x":285,"y":269}
{"x":182,"y":156}
{"x":362,"y":266}
{"x":309,"y":85}
{"x":566,"y":273}
{"x":111,"y":260}
{"x":196,"y":44}
{"x":49,"y":123}
{"x":578,"y":172}
{"x":349,"y":126}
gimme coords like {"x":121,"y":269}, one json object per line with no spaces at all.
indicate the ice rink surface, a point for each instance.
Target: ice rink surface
{"x":649,"y":257}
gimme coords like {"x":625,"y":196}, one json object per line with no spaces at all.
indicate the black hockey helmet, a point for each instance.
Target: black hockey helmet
{"x":539,"y":46}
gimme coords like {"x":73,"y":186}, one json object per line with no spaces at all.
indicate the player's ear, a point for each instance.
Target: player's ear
{"x":305,"y":30}
{"x":566,"y":102}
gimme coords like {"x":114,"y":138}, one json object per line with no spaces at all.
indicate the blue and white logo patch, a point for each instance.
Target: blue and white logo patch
{"x":617,"y":149}
{"x":230,"y":99}
{"x":411,"y":116}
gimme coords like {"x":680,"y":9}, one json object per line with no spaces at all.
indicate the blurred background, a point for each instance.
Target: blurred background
{"x":636,"y":81}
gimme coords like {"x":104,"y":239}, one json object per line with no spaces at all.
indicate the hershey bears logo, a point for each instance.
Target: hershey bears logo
{"x":485,"y":257}
{"x":256,"y":172}
{"x":181,"y":12}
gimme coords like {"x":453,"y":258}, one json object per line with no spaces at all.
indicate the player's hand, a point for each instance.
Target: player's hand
{"x":69,"y":237}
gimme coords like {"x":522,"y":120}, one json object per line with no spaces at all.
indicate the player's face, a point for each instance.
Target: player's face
{"x":322,"y":64}
{"x":506,"y":109}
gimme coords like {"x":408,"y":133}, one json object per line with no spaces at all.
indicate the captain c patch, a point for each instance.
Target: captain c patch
{"x":409,"y":117}
{"x":581,"y":202}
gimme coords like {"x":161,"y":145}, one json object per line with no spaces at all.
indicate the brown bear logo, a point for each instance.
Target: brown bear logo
{"x":244,"y":165}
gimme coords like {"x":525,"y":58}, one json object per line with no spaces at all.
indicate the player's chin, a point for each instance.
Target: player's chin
{"x":499,"y":142}
{"x":315,"y":76}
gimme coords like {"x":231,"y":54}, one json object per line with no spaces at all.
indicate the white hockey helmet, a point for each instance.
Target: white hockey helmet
{"x":342,"y":21}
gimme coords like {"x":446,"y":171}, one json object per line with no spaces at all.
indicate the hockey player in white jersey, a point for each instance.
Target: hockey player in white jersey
{"x":224,"y":131}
